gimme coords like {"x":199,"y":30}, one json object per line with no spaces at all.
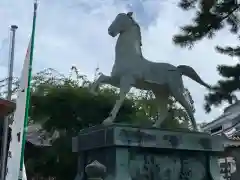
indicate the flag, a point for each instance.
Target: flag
{"x":14,"y":153}
{"x":15,"y":162}
{"x":24,"y":175}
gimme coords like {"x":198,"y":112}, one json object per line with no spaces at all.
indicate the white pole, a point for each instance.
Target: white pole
{"x":9,"y":95}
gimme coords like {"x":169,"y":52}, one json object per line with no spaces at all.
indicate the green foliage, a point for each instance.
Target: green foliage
{"x":64,"y":105}
{"x":67,"y":107}
{"x":177,"y":115}
{"x":212,"y":16}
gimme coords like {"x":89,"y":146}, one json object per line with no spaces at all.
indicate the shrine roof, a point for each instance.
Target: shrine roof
{"x":233,"y":141}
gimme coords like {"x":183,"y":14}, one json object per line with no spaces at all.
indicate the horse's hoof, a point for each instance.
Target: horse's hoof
{"x":107,"y":121}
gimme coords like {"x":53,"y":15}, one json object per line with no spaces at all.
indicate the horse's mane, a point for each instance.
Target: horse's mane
{"x":138,"y":30}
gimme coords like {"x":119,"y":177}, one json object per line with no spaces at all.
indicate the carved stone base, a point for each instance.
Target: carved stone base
{"x":132,"y":153}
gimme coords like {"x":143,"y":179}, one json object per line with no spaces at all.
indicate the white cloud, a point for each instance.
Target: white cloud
{"x":75,"y":33}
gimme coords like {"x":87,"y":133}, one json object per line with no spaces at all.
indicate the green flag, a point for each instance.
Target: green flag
{"x":15,"y":162}
{"x":28,"y":89}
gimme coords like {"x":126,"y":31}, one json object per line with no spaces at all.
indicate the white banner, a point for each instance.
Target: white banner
{"x":15,"y":149}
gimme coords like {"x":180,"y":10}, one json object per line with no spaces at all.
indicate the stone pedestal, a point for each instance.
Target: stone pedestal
{"x":120,"y":152}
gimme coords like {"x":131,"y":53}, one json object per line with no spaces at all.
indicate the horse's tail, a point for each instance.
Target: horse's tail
{"x":191,"y":73}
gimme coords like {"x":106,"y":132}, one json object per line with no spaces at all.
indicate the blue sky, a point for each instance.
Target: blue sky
{"x":74,"y":32}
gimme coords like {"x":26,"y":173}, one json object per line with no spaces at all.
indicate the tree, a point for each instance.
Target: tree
{"x":211,"y":17}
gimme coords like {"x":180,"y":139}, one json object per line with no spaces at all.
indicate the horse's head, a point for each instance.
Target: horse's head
{"x":121,"y":23}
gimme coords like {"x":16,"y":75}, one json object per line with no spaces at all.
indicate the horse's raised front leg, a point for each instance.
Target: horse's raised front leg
{"x":125,"y":86}
{"x":103,"y":79}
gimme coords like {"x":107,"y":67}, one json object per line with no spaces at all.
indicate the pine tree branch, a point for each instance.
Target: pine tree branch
{"x":231,"y":12}
{"x":230,"y":71}
{"x":187,"y":4}
{"x":229,"y":50}
{"x":217,"y":98}
{"x":224,"y":91}
{"x":206,"y":23}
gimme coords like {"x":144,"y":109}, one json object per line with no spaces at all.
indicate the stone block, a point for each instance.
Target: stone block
{"x":129,"y":152}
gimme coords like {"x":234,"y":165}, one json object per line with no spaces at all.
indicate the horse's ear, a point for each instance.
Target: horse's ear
{"x":130,"y":14}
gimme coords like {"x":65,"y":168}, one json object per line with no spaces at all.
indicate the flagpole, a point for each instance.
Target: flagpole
{"x":28,"y":91}
{"x":9,"y":95}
